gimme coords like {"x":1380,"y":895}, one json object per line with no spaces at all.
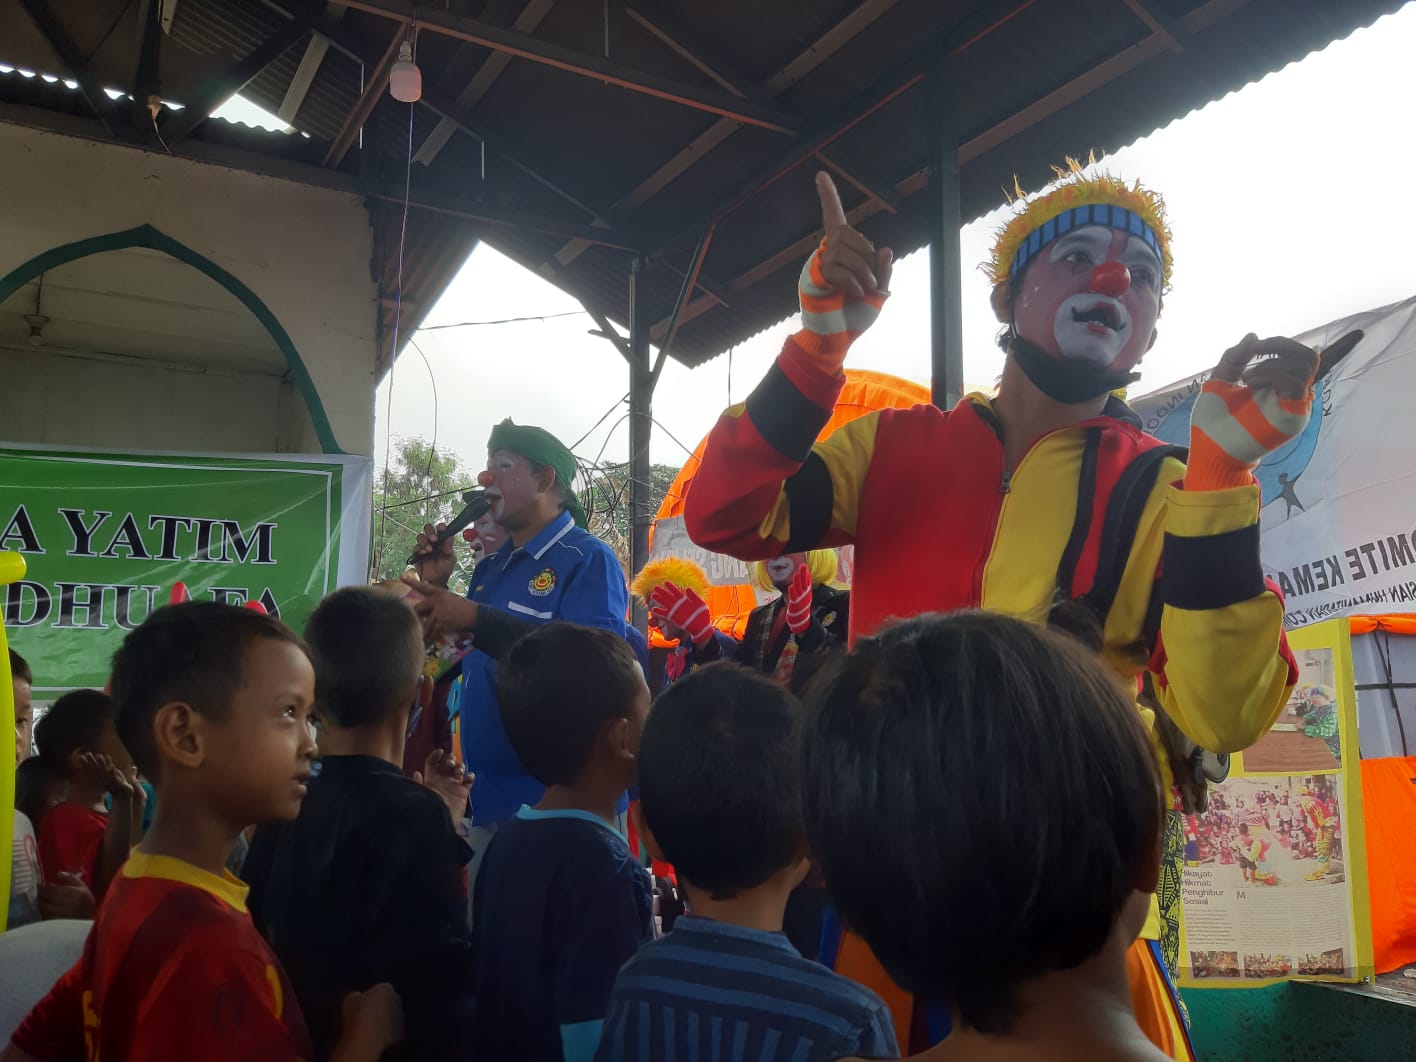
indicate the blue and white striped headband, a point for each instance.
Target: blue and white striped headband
{"x":1113,"y":217}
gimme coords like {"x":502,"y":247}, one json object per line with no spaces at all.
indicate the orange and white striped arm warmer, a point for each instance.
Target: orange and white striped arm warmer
{"x":1233,"y":427}
{"x":830,"y":319}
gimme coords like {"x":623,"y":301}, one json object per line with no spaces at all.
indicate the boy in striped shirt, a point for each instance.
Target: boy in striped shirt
{"x":719,"y":791}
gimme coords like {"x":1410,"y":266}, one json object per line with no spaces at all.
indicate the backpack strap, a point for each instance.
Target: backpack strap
{"x":1121,"y":522}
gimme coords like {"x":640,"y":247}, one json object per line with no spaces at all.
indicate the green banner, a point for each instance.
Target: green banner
{"x":106,"y":536}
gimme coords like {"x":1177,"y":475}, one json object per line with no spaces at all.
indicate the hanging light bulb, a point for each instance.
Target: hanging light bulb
{"x":405,"y":80}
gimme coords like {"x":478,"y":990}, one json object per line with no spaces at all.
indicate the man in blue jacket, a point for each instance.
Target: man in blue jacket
{"x":551,"y":568}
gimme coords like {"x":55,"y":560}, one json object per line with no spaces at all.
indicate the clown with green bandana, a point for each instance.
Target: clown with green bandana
{"x":550,"y":568}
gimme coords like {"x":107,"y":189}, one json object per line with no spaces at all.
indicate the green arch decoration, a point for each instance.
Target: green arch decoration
{"x":147,"y":236}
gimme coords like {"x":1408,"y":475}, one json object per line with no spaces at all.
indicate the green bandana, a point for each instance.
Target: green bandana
{"x":540,"y":447}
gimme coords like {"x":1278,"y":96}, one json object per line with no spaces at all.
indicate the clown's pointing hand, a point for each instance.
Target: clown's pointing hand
{"x":842,"y":286}
{"x":1245,"y":412}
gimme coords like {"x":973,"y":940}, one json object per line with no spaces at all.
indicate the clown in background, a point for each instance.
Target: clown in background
{"x":672,"y":589}
{"x":784,"y":638}
{"x":1322,"y":819}
{"x":808,"y":617}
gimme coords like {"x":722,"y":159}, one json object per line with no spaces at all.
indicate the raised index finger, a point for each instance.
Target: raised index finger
{"x":833,"y":215}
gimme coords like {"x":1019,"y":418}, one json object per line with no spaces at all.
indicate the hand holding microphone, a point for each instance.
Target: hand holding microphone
{"x":433,"y":557}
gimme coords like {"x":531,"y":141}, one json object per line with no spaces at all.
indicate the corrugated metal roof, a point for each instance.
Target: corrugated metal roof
{"x":1034,"y":82}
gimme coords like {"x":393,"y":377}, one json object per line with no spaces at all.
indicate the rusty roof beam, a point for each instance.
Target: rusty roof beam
{"x":52,"y":30}
{"x":883,"y":92}
{"x":597,"y":68}
{"x":1158,"y":21}
{"x":219,"y":87}
{"x":1121,"y":62}
{"x":696,"y":149}
{"x":531,"y":16}
{"x":375,"y":82}
{"x":358,"y":48}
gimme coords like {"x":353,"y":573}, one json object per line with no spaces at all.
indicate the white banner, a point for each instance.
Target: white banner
{"x":1338,"y":522}
{"x":671,"y":540}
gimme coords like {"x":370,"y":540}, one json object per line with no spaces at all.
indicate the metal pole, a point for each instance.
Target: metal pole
{"x":945,"y":313}
{"x":641,"y":394}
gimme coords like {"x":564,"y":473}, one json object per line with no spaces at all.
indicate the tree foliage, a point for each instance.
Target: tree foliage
{"x":423,"y":487}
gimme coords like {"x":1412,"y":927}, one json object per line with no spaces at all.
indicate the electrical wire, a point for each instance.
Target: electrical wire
{"x":393,"y":348}
{"x":602,"y":420}
{"x":503,"y":321}
{"x":432,"y":379}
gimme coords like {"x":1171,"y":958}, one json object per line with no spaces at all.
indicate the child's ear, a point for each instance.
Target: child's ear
{"x":179,"y":734}
{"x":618,"y":738}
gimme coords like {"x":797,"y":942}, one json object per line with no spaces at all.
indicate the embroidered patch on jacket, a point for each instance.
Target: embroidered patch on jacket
{"x":542,"y":584}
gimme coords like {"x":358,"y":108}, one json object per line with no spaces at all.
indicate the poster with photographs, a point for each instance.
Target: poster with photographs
{"x":1273,"y":883}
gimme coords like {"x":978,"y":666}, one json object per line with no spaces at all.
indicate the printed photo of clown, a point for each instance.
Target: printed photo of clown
{"x":1269,"y":831}
{"x":1307,"y":735}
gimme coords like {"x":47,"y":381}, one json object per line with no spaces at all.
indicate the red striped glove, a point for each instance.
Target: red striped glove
{"x":799,"y":601}
{"x":842,"y":286}
{"x":684,"y":609}
{"x":1245,"y":413}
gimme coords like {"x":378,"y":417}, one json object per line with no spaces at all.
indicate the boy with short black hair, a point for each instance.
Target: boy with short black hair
{"x":84,"y":838}
{"x":986,"y":807}
{"x":561,"y":902}
{"x":213,"y":702}
{"x":366,"y":884}
{"x":720,"y":794}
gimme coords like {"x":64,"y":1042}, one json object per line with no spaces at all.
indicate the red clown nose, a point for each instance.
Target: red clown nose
{"x":1111,"y":278}
{"x":486,"y":478}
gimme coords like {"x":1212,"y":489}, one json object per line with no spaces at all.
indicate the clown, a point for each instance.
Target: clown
{"x":1047,"y":502}
{"x":1322,"y":818}
{"x":784,"y":638}
{"x":672,"y":590}
{"x":807,"y":617}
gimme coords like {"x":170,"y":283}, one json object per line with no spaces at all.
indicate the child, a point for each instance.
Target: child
{"x":721,"y":800}
{"x":22,"y":682}
{"x":24,"y":854}
{"x":560,"y":901}
{"x":83,"y":836}
{"x":366,"y":884}
{"x":213,"y":701}
{"x":986,"y":808}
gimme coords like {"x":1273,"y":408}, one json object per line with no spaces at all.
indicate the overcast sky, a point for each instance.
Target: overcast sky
{"x":1289,"y":201}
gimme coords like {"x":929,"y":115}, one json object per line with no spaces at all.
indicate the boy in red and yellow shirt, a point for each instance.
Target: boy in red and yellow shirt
{"x":213,"y":703}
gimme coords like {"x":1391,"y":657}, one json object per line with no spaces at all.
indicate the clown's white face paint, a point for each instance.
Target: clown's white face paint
{"x":1058,"y":310}
{"x":491,"y":533}
{"x":511,"y":488}
{"x":781,"y":569}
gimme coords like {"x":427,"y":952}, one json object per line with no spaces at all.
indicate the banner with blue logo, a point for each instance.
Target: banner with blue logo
{"x":1338,"y":521}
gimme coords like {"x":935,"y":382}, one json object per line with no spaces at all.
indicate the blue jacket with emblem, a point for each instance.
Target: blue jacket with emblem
{"x":564,"y":573}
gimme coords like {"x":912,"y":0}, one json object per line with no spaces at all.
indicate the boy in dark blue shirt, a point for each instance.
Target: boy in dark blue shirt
{"x":365,"y":885}
{"x":721,"y":800}
{"x":561,"y":902}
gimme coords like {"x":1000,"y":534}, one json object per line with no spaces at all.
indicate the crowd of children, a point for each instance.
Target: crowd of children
{"x":349,"y":936}
{"x":1242,"y":830}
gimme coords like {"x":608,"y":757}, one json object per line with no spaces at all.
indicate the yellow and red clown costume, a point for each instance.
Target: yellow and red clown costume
{"x":1097,"y":516}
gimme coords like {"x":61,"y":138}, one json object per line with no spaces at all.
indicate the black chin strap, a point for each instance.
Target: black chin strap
{"x":1064,"y":380}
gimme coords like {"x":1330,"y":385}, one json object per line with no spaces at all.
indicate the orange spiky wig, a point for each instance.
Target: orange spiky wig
{"x":1099,"y":199}
{"x":677,"y":570}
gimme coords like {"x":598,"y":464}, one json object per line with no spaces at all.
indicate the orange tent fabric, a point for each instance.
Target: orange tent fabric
{"x":1389,"y":811}
{"x":1402,"y":623}
{"x":864,"y":392}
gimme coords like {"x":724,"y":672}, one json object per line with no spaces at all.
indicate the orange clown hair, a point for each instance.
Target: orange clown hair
{"x":681,"y":572}
{"x":1076,"y":190}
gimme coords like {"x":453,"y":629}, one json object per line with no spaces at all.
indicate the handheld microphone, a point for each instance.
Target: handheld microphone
{"x":475,"y":507}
